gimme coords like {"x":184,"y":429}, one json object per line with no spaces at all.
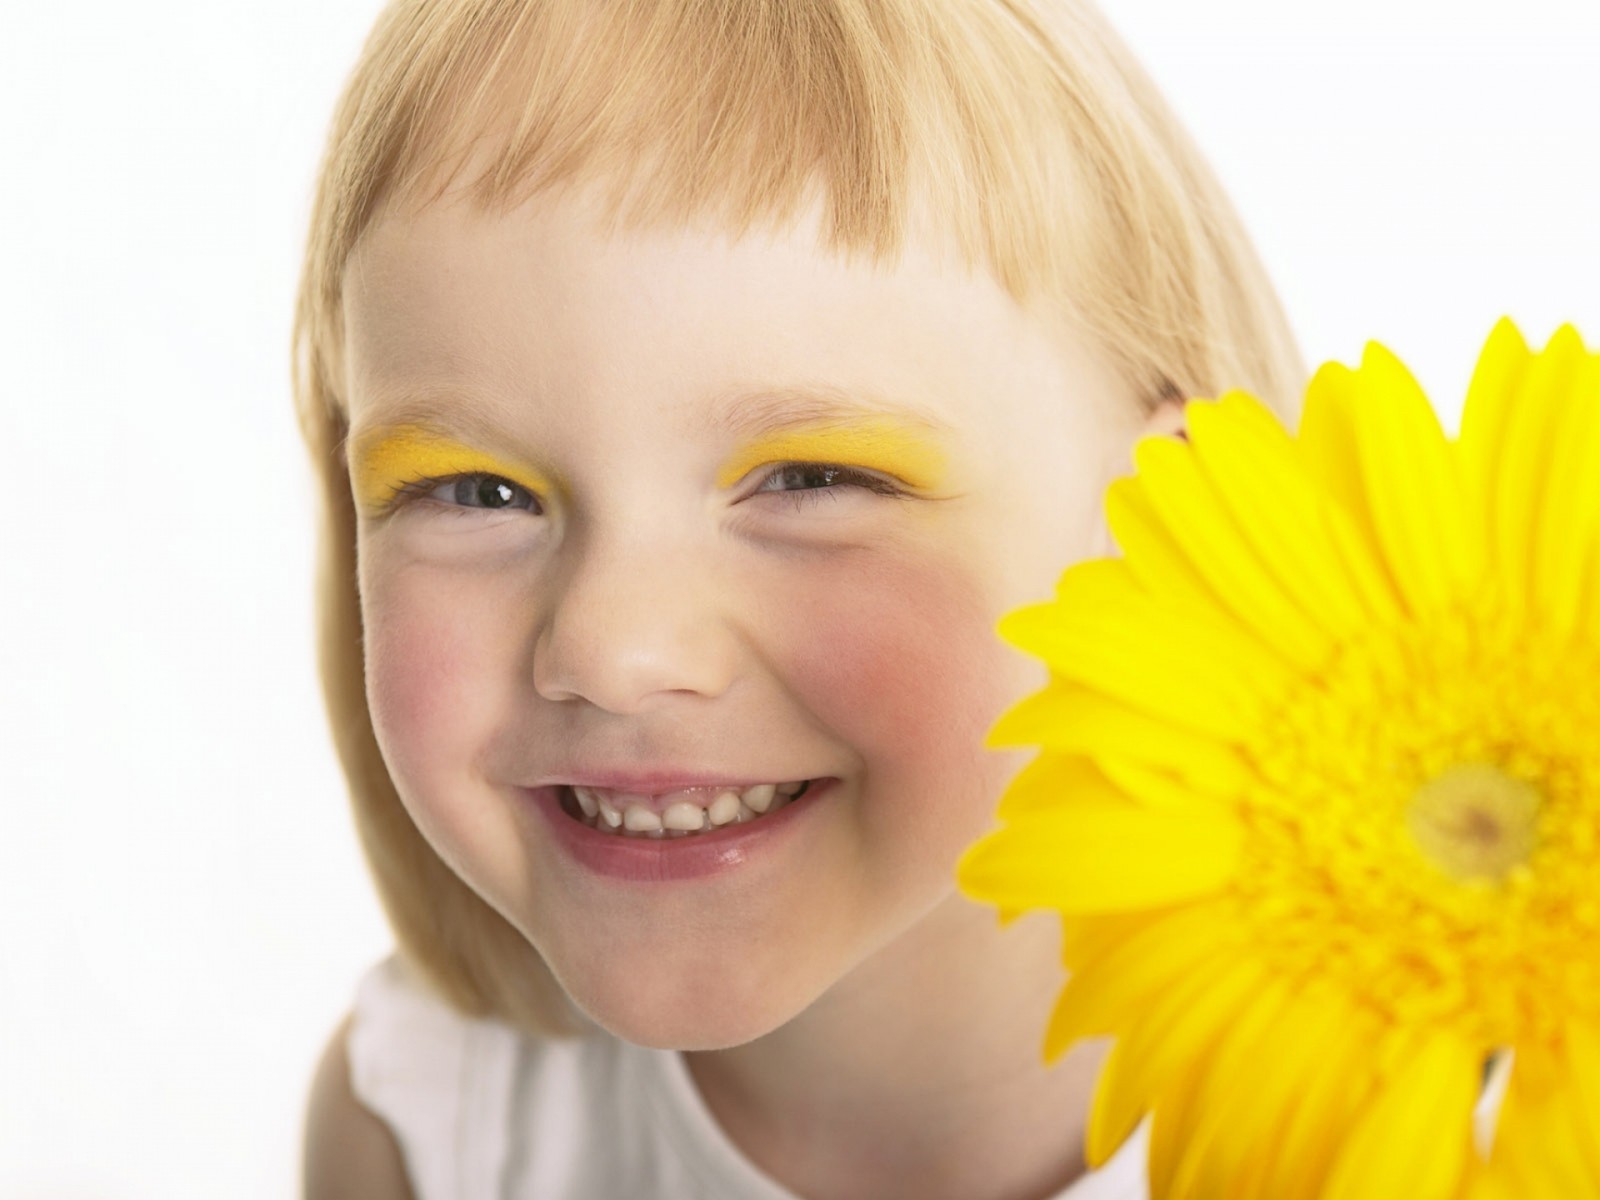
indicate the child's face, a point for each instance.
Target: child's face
{"x":648,"y":592}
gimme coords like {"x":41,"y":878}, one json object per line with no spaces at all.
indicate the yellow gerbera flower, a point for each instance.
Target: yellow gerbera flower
{"x":1318,"y":790}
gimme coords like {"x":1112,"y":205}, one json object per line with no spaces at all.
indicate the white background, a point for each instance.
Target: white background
{"x":183,"y":910}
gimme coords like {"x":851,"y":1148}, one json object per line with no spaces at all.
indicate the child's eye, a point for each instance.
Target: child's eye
{"x":807,"y":483}
{"x":471,"y":490}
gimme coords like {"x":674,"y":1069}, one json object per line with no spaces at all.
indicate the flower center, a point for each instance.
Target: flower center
{"x":1475,"y":821}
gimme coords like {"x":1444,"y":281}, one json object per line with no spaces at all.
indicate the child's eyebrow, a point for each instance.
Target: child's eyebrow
{"x":746,"y":413}
{"x":752,"y":413}
{"x":828,"y":424}
{"x":822,"y":422}
{"x":439,"y":413}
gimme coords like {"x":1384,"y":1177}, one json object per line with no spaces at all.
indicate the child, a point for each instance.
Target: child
{"x":692,"y":385}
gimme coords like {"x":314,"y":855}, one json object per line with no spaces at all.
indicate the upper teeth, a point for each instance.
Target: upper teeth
{"x":688,"y":811}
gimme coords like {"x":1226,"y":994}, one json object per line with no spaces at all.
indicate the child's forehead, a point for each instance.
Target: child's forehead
{"x":547,"y":299}
{"x":460,"y":273}
{"x":575,"y":224}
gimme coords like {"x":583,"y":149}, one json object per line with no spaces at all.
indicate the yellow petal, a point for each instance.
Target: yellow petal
{"x":1418,"y":497}
{"x":1048,"y":780}
{"x":1107,"y":987}
{"x":1086,"y":937}
{"x":1488,"y":411}
{"x":1251,"y":461}
{"x":1155,"y":788}
{"x":1514,"y":478}
{"x":1363,"y":565}
{"x":1110,"y":635}
{"x":1161,"y":1051}
{"x":1297,"y":1047}
{"x":1167,"y":567}
{"x":1539,"y":1148}
{"x":1415,"y":1139}
{"x":1072,"y":719}
{"x":1335,"y":1084}
{"x":1583,"y":1057}
{"x":1172,"y":1129}
{"x":1493,"y":1187}
{"x":1093,"y":856}
{"x":1329,"y":447}
{"x":1211,"y":1155}
{"x":1567,"y":530}
{"x":1051,"y":780}
{"x":1191,"y":508}
{"x":1162,"y":564}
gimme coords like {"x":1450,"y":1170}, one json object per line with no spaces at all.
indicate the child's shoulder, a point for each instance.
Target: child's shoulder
{"x":449,"y":1086}
{"x":474,"y":1104}
{"x":480,"y":1108}
{"x":347,"y":1150}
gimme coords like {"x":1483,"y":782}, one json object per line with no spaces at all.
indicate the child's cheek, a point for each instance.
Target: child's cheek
{"x":426,"y":680}
{"x":899,"y":658}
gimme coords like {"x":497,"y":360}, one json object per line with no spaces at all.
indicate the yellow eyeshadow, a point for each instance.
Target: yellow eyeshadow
{"x":888,"y":446}
{"x":389,"y":458}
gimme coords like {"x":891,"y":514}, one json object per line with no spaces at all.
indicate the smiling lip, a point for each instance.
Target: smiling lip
{"x":650,"y":860}
{"x":654,"y":783}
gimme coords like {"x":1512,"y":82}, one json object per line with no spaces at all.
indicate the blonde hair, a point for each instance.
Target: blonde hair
{"x":1045,"y":151}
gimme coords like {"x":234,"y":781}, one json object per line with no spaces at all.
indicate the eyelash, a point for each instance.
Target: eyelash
{"x":420,"y":489}
{"x":846,"y":475}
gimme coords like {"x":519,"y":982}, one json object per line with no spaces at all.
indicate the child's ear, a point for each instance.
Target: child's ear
{"x":1167,"y":419}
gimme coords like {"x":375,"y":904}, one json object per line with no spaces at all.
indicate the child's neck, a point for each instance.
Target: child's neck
{"x":918,"y":1074}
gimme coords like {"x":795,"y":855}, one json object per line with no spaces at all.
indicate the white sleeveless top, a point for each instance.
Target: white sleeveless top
{"x":484,"y":1112}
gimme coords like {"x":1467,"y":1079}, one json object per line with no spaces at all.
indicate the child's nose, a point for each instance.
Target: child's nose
{"x":629,"y":622}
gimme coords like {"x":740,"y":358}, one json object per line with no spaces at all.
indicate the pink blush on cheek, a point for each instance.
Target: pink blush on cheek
{"x":423,"y":687}
{"x":901,"y":662}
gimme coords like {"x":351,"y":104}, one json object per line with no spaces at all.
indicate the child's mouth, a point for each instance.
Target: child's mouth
{"x":686,"y":818}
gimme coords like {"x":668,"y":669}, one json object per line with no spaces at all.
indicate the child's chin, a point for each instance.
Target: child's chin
{"x":701,"y":1040}
{"x":667,"y":1030}
{"x":664,"y":1015}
